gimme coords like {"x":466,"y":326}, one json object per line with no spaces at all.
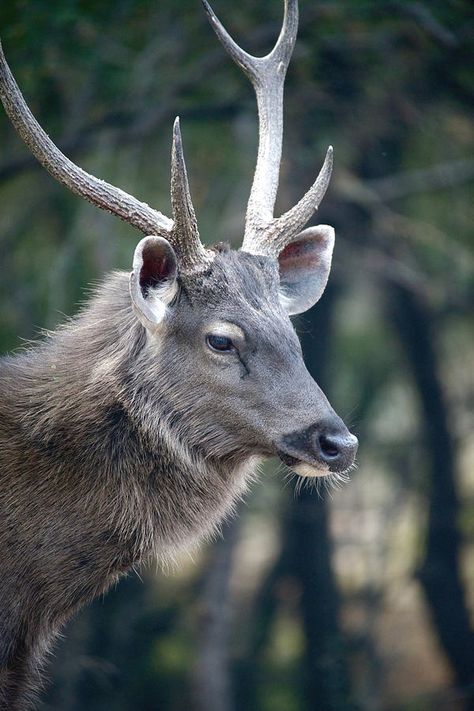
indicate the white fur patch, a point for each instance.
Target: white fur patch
{"x":285,"y":301}
{"x":303,"y":469}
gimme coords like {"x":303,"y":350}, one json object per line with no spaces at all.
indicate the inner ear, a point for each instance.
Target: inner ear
{"x":157,"y":263}
{"x":304,"y":267}
{"x":153,"y":281}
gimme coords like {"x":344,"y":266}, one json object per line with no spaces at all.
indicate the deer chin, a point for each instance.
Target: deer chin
{"x":308,"y":470}
{"x":304,"y":468}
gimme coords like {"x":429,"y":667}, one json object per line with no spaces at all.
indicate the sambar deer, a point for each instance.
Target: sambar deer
{"x":132,"y":430}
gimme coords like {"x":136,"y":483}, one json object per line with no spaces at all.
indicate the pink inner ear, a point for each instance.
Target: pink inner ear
{"x":303,"y":254}
{"x":304,"y":268}
{"x":157,"y":266}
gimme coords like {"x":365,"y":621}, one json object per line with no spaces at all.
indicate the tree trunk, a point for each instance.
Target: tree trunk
{"x":440,"y":573}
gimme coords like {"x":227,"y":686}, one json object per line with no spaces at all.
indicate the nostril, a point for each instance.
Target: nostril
{"x":329,"y":447}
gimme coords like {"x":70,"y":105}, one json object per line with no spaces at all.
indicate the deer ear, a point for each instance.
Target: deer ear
{"x":304,"y":268}
{"x":153,"y":283}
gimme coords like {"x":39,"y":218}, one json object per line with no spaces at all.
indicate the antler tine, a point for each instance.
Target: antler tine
{"x":282,"y":230}
{"x":267,"y":75}
{"x":244,"y":60}
{"x":106,"y":196}
{"x":184,"y":233}
{"x":263,"y":233}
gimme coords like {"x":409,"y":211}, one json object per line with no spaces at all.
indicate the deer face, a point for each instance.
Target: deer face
{"x":231,"y":358}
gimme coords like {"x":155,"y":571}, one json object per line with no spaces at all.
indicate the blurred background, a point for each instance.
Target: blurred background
{"x":360,"y":598}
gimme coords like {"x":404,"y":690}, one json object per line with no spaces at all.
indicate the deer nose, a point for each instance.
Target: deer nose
{"x":328,"y":443}
{"x":336,"y":449}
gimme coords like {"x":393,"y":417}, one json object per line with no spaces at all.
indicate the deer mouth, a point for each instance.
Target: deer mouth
{"x":302,"y":468}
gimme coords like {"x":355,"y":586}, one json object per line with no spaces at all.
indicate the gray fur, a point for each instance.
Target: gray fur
{"x":118,"y":444}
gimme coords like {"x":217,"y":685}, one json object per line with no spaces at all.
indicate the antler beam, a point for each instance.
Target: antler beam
{"x":182,"y":233}
{"x":265,"y":234}
{"x":96,"y":191}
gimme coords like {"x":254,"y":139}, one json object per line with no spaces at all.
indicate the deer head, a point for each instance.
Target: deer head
{"x":217,"y":324}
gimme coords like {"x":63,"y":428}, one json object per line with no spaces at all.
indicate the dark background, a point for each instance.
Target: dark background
{"x":358,"y":599}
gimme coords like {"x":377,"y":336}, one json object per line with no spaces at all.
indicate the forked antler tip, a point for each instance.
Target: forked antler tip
{"x":291,"y":15}
{"x":291,"y":6}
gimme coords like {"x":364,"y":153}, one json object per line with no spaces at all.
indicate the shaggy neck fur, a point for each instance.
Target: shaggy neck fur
{"x":97,"y":473}
{"x":143,"y":476}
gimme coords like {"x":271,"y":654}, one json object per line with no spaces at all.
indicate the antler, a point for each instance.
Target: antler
{"x":265,"y":234}
{"x":182,"y":233}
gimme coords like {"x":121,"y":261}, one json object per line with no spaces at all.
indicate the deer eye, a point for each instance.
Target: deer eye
{"x":222,"y":344}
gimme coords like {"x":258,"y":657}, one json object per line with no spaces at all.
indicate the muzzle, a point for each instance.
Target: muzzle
{"x":325,"y":447}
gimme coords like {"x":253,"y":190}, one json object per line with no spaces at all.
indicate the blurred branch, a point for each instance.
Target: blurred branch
{"x":430,"y":24}
{"x":438,"y":177}
{"x":387,"y":222}
{"x":127,"y":131}
{"x":442,"y":176}
{"x":132,"y":126}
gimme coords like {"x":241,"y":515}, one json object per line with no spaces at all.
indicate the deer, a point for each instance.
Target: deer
{"x":129,"y":433}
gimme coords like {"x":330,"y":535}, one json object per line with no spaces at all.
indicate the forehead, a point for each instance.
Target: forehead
{"x":235,"y":280}
{"x":242,"y":289}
